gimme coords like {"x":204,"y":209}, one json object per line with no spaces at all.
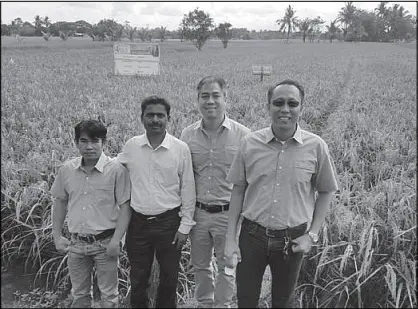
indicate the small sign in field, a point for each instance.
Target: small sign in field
{"x":136,"y":58}
{"x":262,"y":70}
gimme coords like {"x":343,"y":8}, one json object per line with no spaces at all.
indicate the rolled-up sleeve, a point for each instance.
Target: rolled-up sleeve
{"x":187,"y":192}
{"x":123,"y":185}
{"x":58,"y":187}
{"x":237,"y":174}
{"x":326,"y":177}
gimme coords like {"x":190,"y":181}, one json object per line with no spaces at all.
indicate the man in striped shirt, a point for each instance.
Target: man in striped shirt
{"x":213,"y":142}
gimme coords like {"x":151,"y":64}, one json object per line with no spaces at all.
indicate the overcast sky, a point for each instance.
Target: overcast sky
{"x":250,"y":15}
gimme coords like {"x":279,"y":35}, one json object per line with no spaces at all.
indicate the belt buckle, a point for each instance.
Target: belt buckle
{"x":151,"y":218}
{"x":268,"y":231}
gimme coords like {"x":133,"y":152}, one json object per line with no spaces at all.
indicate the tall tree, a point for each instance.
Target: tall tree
{"x":162,"y":33}
{"x":289,"y":21}
{"x":346,"y":16}
{"x":315,"y":28}
{"x":304,"y":26}
{"x":332,"y":30}
{"x":224,"y":33}
{"x":197,"y":27}
{"x":38,"y":25}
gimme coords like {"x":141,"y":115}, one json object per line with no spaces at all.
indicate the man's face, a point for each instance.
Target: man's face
{"x":285,"y":107}
{"x":90,"y":149}
{"x":211,"y":101}
{"x":155,"y":119}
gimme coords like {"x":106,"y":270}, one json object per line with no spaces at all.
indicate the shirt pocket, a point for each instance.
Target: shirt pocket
{"x":303,"y":171}
{"x":104,"y":193}
{"x":166,"y":173}
{"x":229,"y":154}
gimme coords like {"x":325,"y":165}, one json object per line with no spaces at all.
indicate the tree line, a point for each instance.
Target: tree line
{"x":383,"y":24}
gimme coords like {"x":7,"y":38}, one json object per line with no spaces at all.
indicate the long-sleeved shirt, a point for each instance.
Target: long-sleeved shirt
{"x":93,"y":199}
{"x":281,"y":178}
{"x":162,"y":178}
{"x":212,"y":157}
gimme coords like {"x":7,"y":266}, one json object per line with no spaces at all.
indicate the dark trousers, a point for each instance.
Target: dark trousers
{"x":143,"y":239}
{"x":259,"y":250}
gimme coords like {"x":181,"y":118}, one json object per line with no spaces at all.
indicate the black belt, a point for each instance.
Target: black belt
{"x":93,"y":238}
{"x":157,"y":217}
{"x":213,"y":208}
{"x":292,"y":232}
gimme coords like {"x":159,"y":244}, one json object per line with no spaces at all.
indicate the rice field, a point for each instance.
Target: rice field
{"x":361,"y":98}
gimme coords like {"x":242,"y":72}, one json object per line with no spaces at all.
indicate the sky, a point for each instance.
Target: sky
{"x":251,"y":15}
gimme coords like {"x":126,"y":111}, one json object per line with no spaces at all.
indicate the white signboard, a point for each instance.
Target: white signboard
{"x":136,"y":58}
{"x":265,"y":69}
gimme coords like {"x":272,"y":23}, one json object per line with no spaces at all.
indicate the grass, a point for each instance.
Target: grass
{"x":361,"y":98}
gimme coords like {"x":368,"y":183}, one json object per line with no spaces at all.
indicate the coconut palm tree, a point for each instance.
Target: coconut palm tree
{"x":304,"y":26}
{"x":332,"y":30}
{"x":346,"y":16}
{"x":289,"y":21}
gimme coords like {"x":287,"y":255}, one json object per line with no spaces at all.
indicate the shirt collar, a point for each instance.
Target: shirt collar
{"x":99,"y":165}
{"x":226,"y":123}
{"x":297,"y":136}
{"x":143,"y":140}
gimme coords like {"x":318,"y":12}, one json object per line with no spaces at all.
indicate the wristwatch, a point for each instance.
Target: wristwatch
{"x":313,"y":236}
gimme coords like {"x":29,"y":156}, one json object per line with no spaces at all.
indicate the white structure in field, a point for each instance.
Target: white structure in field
{"x":136,"y":58}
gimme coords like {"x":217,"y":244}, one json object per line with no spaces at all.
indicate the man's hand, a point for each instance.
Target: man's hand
{"x":302,"y":244}
{"x":62,"y":244}
{"x":113,"y":248}
{"x":232,"y":254}
{"x":179,"y":240}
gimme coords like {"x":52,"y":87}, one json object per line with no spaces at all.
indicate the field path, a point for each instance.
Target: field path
{"x":320,"y":123}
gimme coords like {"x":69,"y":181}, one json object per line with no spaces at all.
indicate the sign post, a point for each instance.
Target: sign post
{"x":262,"y":70}
{"x":136,"y":58}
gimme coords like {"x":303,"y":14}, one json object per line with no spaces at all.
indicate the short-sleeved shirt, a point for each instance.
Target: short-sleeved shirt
{"x":212,"y":158}
{"x":93,"y":199}
{"x":281,"y":178}
{"x":162,"y":178}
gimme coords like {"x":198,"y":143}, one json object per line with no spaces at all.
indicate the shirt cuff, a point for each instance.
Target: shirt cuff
{"x":184,"y":229}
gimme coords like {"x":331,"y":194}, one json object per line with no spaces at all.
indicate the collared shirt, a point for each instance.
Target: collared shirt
{"x":282,"y":178}
{"x":162,"y":178}
{"x":212,"y":158}
{"x":93,"y":199}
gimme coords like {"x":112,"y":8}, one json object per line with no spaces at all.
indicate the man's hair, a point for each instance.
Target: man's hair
{"x":93,"y":129}
{"x":212,"y":79}
{"x":287,"y":82}
{"x":154,"y":100}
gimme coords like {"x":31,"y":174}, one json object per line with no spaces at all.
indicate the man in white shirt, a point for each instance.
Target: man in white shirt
{"x":162,"y":203}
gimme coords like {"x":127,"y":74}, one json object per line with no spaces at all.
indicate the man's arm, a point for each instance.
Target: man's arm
{"x":124,"y":217}
{"x":188,"y":199}
{"x":322,"y":204}
{"x":234,"y":212}
{"x":59,"y":211}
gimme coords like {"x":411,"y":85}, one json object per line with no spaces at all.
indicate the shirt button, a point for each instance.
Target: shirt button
{"x":85,"y":192}
{"x":282,"y":151}
{"x":275,"y":201}
{"x":84,"y":208}
{"x":211,"y":150}
{"x":87,"y":178}
{"x":272,"y":216}
{"x":209,"y":177}
{"x":277,"y":184}
{"x":83,"y":224}
{"x":280,"y":167}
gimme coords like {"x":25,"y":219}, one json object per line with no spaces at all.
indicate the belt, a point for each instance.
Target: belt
{"x":93,"y":238}
{"x":292,"y":232}
{"x":212,"y":208}
{"x":157,"y":217}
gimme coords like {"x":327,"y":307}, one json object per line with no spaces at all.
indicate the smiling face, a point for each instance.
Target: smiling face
{"x":285,"y":107}
{"x":212,"y":101}
{"x":155,"y":119}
